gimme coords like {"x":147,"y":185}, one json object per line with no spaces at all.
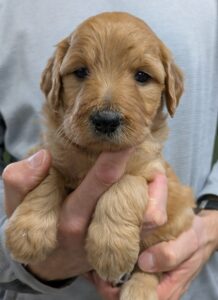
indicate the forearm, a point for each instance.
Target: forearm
{"x":210,"y":217}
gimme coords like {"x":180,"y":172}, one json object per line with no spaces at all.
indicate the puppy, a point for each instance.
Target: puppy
{"x":105,"y":90}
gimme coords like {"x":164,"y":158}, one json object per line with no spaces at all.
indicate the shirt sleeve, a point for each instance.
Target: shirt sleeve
{"x":2,"y":131}
{"x":211,"y":186}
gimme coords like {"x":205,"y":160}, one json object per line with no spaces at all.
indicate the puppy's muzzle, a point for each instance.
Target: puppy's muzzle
{"x":106,"y":122}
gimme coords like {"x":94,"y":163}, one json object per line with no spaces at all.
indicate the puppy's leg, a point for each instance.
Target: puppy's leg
{"x":114,"y":234}
{"x":141,"y":286}
{"x":31,"y":230}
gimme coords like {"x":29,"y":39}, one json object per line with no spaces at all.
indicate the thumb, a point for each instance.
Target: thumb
{"x":21,"y":177}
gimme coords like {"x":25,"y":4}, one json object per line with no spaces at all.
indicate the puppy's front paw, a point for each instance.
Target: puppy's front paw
{"x":30,"y":237}
{"x":112,"y":250}
{"x":141,"y":286}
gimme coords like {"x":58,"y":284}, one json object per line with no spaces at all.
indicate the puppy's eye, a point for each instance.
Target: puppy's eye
{"x":142,"y":77}
{"x":81,"y":73}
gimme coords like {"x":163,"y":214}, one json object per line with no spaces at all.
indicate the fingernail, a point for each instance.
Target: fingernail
{"x":155,"y":218}
{"x":37,"y":159}
{"x":160,"y":218}
{"x":146,"y":262}
{"x":111,"y":165}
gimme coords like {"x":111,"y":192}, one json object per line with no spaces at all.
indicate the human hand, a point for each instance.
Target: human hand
{"x":183,"y":258}
{"x":155,"y":216}
{"x":69,"y":259}
{"x":21,"y":177}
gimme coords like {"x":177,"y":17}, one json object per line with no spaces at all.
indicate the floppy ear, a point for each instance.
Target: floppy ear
{"x":51,"y":79}
{"x":174,"y":84}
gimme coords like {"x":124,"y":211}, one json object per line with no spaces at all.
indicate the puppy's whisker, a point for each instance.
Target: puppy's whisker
{"x":60,"y":134}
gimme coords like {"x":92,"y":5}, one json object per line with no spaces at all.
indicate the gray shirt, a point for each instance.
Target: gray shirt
{"x":29,"y":30}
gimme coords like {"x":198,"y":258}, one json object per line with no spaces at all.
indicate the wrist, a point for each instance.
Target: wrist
{"x":207,"y":202}
{"x":210,"y":220}
{"x":55,"y":283}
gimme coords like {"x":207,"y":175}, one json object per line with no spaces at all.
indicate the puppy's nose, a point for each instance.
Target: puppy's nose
{"x":106,"y":121}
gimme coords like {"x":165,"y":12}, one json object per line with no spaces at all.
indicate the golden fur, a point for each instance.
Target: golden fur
{"x":113,"y":46}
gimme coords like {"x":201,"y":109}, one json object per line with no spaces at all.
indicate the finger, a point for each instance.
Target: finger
{"x":172,"y":286}
{"x":105,"y":289}
{"x":156,"y":214}
{"x":166,"y":256}
{"x":21,"y":177}
{"x":108,"y":169}
{"x":89,"y":276}
{"x":176,"y":282}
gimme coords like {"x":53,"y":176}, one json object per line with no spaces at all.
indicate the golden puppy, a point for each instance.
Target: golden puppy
{"x":105,"y":89}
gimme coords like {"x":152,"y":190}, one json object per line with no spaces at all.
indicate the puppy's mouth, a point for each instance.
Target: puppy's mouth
{"x":104,"y":130}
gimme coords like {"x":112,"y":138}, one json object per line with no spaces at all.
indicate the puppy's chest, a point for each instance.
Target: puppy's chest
{"x":73,"y":168}
{"x":74,"y":175}
{"x":74,"y":165}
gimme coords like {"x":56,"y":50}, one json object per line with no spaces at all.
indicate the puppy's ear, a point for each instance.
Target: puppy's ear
{"x":51,"y":79}
{"x":174,"y":83}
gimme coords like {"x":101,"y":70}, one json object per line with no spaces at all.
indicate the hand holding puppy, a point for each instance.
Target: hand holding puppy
{"x":155,"y":216}
{"x":21,"y":177}
{"x":181,"y":260}
{"x":69,"y":259}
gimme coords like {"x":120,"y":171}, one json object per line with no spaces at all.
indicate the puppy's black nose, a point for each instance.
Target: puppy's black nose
{"x":106,"y":121}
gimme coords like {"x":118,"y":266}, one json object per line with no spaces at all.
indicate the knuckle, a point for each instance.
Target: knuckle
{"x":169,"y":257}
{"x":9,"y":176}
{"x":73,"y":228}
{"x":106,"y":175}
{"x":77,"y":228}
{"x":110,"y":167}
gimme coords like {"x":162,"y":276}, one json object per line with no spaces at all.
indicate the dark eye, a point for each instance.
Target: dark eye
{"x":142,"y":77}
{"x":81,"y":73}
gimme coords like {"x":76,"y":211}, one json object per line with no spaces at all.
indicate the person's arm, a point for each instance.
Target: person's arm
{"x":182,"y":259}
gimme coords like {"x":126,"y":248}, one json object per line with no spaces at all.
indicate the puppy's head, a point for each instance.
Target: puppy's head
{"x":107,"y":81}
